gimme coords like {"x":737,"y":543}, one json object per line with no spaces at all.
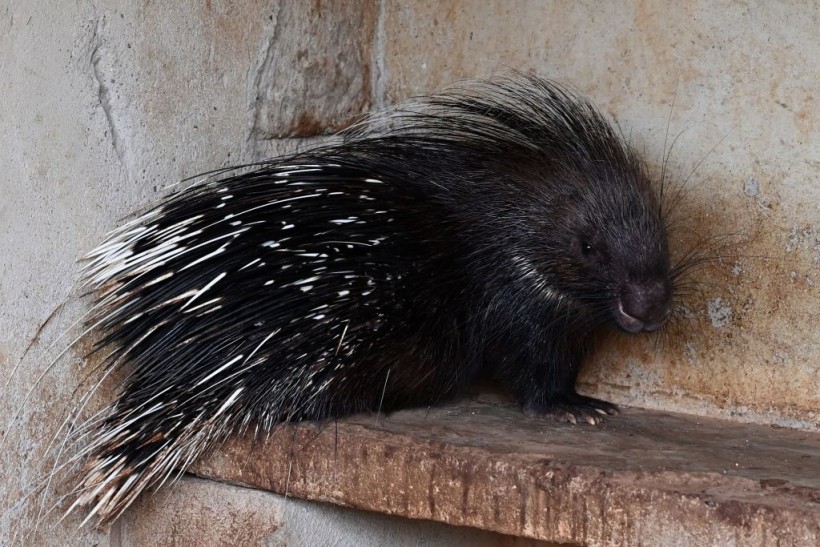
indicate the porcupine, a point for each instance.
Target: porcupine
{"x":491,"y":229}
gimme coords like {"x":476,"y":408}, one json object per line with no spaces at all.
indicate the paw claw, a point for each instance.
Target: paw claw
{"x":574,"y":408}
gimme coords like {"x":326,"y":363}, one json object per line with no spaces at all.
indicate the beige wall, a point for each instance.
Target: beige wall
{"x":104,"y":104}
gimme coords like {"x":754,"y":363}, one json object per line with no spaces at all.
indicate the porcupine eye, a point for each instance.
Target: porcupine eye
{"x":587,"y":249}
{"x":592,"y":253}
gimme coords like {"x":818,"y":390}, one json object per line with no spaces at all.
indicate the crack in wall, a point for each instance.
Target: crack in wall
{"x":256,"y":133}
{"x":104,"y":92}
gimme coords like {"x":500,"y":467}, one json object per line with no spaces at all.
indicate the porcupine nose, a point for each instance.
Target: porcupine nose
{"x":644,"y":306}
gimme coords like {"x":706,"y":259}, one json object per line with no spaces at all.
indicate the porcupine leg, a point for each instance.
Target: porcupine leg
{"x":542,"y":377}
{"x":573,"y":407}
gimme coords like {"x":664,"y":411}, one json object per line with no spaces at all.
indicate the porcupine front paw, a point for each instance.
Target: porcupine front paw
{"x":575,"y":408}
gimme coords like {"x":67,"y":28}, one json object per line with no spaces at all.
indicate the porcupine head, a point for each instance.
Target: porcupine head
{"x":493,"y":230}
{"x":579,"y":230}
{"x":592,"y":253}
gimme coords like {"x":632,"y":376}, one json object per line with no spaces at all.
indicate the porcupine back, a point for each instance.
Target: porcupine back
{"x":371,"y":274}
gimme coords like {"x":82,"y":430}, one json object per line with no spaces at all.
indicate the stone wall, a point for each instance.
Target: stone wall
{"x":103,"y":105}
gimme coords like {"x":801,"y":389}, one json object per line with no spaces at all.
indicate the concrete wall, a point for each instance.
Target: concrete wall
{"x":103,"y":104}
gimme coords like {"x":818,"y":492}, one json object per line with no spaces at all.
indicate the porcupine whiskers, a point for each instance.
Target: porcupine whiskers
{"x":707,"y":250}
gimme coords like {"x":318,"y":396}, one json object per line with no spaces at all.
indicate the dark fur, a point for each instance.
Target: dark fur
{"x":509,"y":224}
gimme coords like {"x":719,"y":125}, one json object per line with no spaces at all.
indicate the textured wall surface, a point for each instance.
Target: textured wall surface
{"x":104,"y":104}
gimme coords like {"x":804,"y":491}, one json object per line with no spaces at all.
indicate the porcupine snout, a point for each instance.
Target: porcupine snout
{"x":644,"y":305}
